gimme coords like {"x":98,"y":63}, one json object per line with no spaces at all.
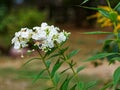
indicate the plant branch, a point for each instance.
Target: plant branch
{"x":49,"y":73}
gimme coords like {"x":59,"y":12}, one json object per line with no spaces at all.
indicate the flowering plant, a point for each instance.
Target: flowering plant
{"x":108,"y":16}
{"x":48,"y":41}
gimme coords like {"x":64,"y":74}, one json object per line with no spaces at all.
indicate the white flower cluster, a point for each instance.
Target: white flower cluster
{"x":44,"y":37}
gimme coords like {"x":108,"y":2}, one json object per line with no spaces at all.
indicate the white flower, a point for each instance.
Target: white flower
{"x":17,"y":45}
{"x":44,"y":37}
{"x":43,"y":26}
{"x":22,"y":38}
{"x":14,"y":40}
{"x":26,"y":33}
{"x":38,"y":34}
{"x":17,"y":34}
{"x":61,"y":37}
{"x":23,"y":44}
{"x":36,"y":28}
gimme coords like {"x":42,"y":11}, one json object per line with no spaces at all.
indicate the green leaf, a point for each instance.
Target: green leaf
{"x":104,"y":12}
{"x":116,"y":58}
{"x":56,"y":67}
{"x":73,"y":87}
{"x":90,"y":84}
{"x":71,"y":54}
{"x":50,"y":52}
{"x":55,"y":55}
{"x":106,"y":86}
{"x":39,"y":75}
{"x":101,"y":10}
{"x":80,"y":68}
{"x":113,"y":16}
{"x":97,"y":32}
{"x":84,"y":2}
{"x":106,"y":47}
{"x":92,"y":8}
{"x":63,"y":50}
{"x":99,"y":56}
{"x":107,"y":42}
{"x":56,"y":78}
{"x":48,"y":62}
{"x":31,"y":60}
{"x":81,"y":85}
{"x":65,"y":84}
{"x":65,"y":70}
{"x":116,"y":76}
{"x":117,"y":6}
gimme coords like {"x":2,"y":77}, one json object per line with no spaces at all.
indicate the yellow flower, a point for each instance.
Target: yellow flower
{"x":117,"y":28}
{"x":104,"y":21}
{"x":118,"y":17}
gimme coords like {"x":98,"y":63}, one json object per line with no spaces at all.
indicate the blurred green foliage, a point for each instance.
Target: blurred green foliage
{"x":17,"y":19}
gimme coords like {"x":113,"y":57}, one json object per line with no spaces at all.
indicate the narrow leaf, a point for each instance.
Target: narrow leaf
{"x":39,"y":75}
{"x":71,"y":54}
{"x":31,"y":60}
{"x":104,"y":12}
{"x":91,"y":84}
{"x":65,"y":70}
{"x":73,"y":88}
{"x":97,"y":32}
{"x":116,"y":58}
{"x":56,"y":78}
{"x":65,"y":84}
{"x":106,"y":86}
{"x":92,"y":8}
{"x":56,"y":67}
{"x":63,"y":50}
{"x":55,"y":55}
{"x":117,"y":6}
{"x":99,"y":56}
{"x":84,"y":2}
{"x":48,"y":62}
{"x":49,"y":52}
{"x":101,"y":10}
{"x":116,"y":76}
{"x":80,"y":68}
{"x":81,"y":85}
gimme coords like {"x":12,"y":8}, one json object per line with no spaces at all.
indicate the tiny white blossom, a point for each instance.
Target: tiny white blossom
{"x":44,"y":26}
{"x":26,"y":33}
{"x":17,"y":45}
{"x":39,"y":35}
{"x":61,"y":37}
{"x":36,"y":28}
{"x":17,"y":34}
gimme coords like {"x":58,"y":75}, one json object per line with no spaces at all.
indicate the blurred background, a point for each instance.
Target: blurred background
{"x":66,"y":14}
{"x":15,"y":14}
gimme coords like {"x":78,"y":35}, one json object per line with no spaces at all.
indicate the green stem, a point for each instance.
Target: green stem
{"x":108,"y":2}
{"x":43,"y":60}
{"x":116,"y":33}
{"x":71,"y":66}
{"x":66,"y":60}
